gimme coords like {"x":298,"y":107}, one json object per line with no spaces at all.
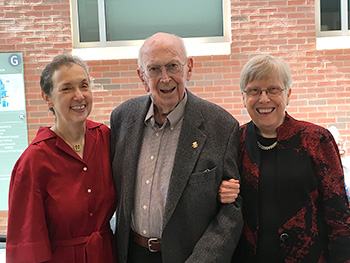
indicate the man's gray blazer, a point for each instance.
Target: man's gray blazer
{"x":196,"y":227}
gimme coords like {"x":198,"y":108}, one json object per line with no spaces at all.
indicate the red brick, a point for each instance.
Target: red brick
{"x":202,"y":70}
{"x":51,"y":13}
{"x":118,"y":68}
{"x":119,"y":80}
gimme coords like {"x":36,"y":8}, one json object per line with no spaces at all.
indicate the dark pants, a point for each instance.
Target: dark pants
{"x":139,"y":254}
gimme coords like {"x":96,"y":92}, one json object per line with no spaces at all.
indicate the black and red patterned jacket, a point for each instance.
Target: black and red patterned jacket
{"x":313,"y":203}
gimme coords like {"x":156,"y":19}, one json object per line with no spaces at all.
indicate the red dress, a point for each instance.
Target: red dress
{"x":59,"y":204}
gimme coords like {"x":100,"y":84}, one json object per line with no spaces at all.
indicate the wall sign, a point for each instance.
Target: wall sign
{"x":13,"y":121}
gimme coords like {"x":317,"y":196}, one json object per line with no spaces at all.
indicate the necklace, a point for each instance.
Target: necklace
{"x":266,"y":148}
{"x":76,"y":147}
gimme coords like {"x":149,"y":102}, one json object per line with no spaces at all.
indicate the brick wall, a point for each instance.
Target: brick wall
{"x":41,"y":29}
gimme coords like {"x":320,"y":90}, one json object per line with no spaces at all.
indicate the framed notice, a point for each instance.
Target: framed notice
{"x":13,"y":121}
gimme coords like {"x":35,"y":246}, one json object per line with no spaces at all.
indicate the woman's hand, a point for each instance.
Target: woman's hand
{"x":229,"y":191}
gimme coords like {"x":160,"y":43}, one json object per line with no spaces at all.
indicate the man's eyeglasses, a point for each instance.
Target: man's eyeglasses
{"x":271,"y":92}
{"x":156,"y":71}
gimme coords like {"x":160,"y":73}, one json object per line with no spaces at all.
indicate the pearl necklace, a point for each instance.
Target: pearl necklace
{"x":266,"y":148}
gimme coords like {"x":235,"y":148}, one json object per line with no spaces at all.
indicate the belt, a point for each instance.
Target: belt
{"x":93,"y":244}
{"x":153,"y":244}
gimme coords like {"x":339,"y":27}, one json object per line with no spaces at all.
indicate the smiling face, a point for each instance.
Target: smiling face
{"x":167,"y":90}
{"x":267,"y":112}
{"x":71,"y":96}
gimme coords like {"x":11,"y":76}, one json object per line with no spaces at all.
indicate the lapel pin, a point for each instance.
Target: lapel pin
{"x":194,"y":145}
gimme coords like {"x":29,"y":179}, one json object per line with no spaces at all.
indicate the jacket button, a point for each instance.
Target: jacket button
{"x":284,"y":237}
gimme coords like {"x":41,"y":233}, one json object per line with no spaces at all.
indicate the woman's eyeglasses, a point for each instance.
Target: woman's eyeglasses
{"x":271,"y":92}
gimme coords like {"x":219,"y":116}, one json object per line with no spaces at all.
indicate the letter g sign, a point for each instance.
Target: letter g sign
{"x":14,"y":60}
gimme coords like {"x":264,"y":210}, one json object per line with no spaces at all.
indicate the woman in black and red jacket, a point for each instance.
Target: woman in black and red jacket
{"x":294,"y":203}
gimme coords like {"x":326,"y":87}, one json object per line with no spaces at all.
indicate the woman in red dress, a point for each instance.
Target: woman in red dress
{"x":62,"y":195}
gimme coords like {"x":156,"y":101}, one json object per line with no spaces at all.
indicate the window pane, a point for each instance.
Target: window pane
{"x":88,"y":20}
{"x":330,"y":15}
{"x":138,"y":19}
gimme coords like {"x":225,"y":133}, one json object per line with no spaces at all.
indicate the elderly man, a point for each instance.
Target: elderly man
{"x":170,"y":152}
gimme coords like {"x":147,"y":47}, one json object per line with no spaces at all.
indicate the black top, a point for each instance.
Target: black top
{"x":268,"y":242}
{"x":311,"y":199}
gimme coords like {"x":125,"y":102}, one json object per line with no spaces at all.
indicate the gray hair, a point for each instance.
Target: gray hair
{"x":58,"y":61}
{"x":264,"y":66}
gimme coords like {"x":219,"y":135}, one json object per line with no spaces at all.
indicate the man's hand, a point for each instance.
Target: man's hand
{"x":229,"y":191}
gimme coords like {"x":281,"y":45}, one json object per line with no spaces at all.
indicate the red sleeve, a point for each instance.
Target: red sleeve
{"x":336,"y":209}
{"x":27,"y":234}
